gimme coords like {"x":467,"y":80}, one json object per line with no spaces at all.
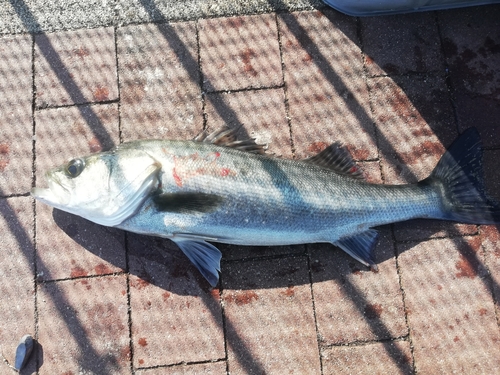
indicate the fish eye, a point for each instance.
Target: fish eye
{"x":75,"y":167}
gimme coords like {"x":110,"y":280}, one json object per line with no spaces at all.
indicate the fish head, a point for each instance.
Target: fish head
{"x":105,"y":188}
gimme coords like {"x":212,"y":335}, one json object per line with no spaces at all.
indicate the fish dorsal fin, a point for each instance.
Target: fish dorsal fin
{"x":360,"y":246}
{"x":227,"y":137}
{"x":337,"y":159}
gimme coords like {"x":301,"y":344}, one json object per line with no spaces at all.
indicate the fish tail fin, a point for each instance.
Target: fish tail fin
{"x":459,"y":178}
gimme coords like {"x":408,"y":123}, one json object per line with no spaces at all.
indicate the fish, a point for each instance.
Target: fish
{"x":218,"y":189}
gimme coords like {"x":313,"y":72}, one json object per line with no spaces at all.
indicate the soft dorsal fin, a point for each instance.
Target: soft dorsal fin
{"x":227,"y":137}
{"x":337,"y":159}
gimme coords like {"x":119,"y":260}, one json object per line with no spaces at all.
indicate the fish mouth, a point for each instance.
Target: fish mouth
{"x":54,"y":195}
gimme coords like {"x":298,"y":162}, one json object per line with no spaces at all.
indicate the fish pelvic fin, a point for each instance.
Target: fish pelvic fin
{"x":360,"y":246}
{"x":206,"y":257}
{"x":458,"y":176}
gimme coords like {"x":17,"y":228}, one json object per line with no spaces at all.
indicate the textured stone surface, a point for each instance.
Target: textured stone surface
{"x":175,"y":316}
{"x":269,"y":317}
{"x":378,"y":358}
{"x":472,"y":50}
{"x":84,"y":326}
{"x":16,"y":275}
{"x":69,"y":246}
{"x":327,"y":92}
{"x":63,"y":61}
{"x":447,"y":295}
{"x":16,"y":146}
{"x":352,"y":303}
{"x":418,"y":48}
{"x":159,"y":81}
{"x":240,"y":52}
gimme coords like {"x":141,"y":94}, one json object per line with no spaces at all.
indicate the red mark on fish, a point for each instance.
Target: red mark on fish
{"x":193,"y":165}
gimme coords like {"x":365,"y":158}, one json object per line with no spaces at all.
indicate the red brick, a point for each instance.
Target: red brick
{"x":269,"y":317}
{"x":216,"y":368}
{"x":471,"y":44}
{"x":414,"y":119}
{"x":159,"y":81}
{"x":176,"y":316}
{"x":16,"y":275}
{"x":69,"y":246}
{"x":392,"y":357}
{"x":453,"y":327}
{"x":16,"y":129}
{"x":352,"y":303}
{"x":490,"y":235}
{"x":240,"y":52}
{"x":75,"y":67}
{"x":261,"y":113}
{"x":422,"y":229}
{"x":326,"y":88}
{"x":413,"y":38}
{"x":83,"y":326}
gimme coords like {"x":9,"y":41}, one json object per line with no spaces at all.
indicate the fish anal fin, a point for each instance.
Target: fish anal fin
{"x":227,"y":137}
{"x":337,"y":159}
{"x":360,"y":246}
{"x":187,"y":202}
{"x":206,"y":257}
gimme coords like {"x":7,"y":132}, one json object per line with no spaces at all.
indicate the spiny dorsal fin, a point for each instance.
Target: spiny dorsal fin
{"x":227,"y":137}
{"x":337,"y":159}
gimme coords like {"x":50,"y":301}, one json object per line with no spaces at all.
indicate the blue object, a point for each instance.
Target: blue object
{"x":381,"y":7}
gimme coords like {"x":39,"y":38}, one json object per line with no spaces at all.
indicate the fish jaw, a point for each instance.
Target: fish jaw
{"x":55,"y":195}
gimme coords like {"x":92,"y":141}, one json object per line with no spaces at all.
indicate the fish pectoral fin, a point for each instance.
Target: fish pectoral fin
{"x":360,"y":246}
{"x":204,"y":256}
{"x":186,"y":202}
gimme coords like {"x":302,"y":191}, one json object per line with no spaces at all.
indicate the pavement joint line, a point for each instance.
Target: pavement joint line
{"x":361,"y":343}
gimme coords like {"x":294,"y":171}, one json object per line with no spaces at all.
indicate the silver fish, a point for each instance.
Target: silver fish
{"x":215,"y":188}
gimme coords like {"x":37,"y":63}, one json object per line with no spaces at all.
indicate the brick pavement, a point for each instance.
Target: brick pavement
{"x":395,"y":90}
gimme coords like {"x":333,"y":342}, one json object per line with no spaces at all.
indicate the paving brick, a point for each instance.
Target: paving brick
{"x":413,"y":38}
{"x":216,"y":368}
{"x":69,"y":132}
{"x":176,"y":316}
{"x":16,"y":275}
{"x":260,"y":113}
{"x":415,"y":121}
{"x":83,"y":326}
{"x":452,"y":320}
{"x":471,"y":41}
{"x":159,"y":81}
{"x":326,"y":88}
{"x":391,"y":357}
{"x":15,"y":115}
{"x":240,"y":52}
{"x":422,"y":229}
{"x":63,"y":61}
{"x":492,"y":173}
{"x":269,"y":317}
{"x":352,"y":303}
{"x":69,"y":246}
{"x":490,"y":236}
